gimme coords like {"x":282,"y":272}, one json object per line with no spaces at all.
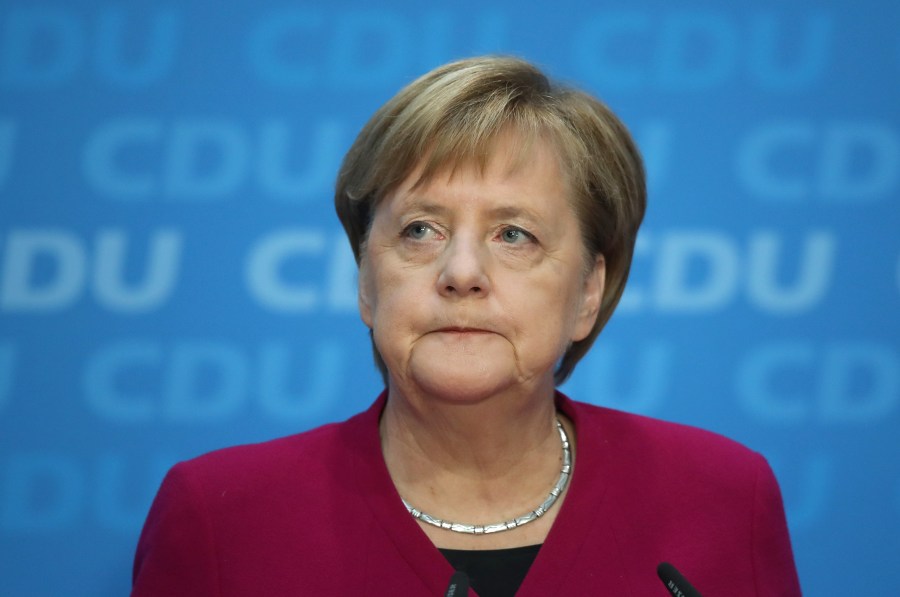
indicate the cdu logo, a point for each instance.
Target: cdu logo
{"x":635,"y":379}
{"x":45,"y":270}
{"x":832,"y":162}
{"x":353,"y":49}
{"x":43,"y":492}
{"x":333,"y":286}
{"x":696,"y":51}
{"x":144,"y":159}
{"x":702,"y":271}
{"x":47,"y":47}
{"x":207,"y":382}
{"x":848,"y":383}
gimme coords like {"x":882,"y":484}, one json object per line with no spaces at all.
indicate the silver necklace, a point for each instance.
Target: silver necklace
{"x":479,"y":529}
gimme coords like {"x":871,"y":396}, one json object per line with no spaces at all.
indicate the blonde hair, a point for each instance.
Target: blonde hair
{"x":455,"y":114}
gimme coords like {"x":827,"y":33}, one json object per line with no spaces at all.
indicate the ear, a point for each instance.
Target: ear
{"x":364,"y":292}
{"x":591,"y":298}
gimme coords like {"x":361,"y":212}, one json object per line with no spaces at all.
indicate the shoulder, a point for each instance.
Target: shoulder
{"x":320,"y":453}
{"x":250,"y":505}
{"x":656,"y":439}
{"x":270,"y":454}
{"x":679,"y":472}
{"x":679,"y":464}
{"x":686,"y":495}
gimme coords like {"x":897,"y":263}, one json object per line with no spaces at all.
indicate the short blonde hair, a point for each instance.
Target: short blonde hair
{"x":455,"y":114}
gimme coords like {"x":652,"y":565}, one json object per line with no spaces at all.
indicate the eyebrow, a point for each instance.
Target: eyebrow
{"x":502,"y":212}
{"x":412,"y":203}
{"x":513,"y":211}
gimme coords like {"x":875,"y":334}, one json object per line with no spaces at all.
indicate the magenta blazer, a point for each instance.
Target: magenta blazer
{"x":316,"y":514}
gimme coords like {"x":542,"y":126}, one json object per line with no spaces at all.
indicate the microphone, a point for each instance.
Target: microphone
{"x":459,"y":585}
{"x":678,"y":586}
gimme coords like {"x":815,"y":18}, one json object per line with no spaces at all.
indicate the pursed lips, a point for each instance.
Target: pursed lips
{"x":463,"y":330}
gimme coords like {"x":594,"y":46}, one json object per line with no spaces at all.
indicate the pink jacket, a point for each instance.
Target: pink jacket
{"x":316,"y":514}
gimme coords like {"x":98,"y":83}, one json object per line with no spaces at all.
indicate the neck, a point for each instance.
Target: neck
{"x":477,"y":462}
{"x":484,"y":436}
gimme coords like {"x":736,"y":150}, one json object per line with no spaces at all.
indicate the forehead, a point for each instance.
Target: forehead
{"x":513,"y":170}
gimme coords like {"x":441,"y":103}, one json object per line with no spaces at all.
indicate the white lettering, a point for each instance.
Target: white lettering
{"x":313,"y":394}
{"x":679,"y":288}
{"x":272,"y":33}
{"x":761,"y":158}
{"x":115,"y":55}
{"x":306,"y":47}
{"x":703,"y":271}
{"x":765,"y":387}
{"x":632,"y":379}
{"x":48,"y":270}
{"x":343,"y":274}
{"x":52,"y":492}
{"x":43,"y":270}
{"x":104,"y":164}
{"x":811,"y":282}
{"x":205,"y":159}
{"x":699,"y":50}
{"x":837,"y":162}
{"x":43,"y":46}
{"x":108,"y":373}
{"x":209,"y":160}
{"x":840,"y":383}
{"x":325,"y":146}
{"x":859,"y":383}
{"x":679,"y":66}
{"x":205,"y":381}
{"x":164,"y":257}
{"x":847,"y":144}
{"x":265,"y":265}
{"x":369,"y":47}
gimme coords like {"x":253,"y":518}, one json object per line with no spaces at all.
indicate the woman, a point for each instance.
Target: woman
{"x":493,"y":217}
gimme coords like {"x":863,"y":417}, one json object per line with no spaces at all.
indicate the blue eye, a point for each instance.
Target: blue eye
{"x":515,"y":236}
{"x":417,"y":230}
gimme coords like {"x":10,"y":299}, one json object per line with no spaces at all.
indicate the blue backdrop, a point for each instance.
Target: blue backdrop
{"x":173,"y":280}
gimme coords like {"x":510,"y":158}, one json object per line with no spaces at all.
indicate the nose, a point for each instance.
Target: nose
{"x":464,"y":269}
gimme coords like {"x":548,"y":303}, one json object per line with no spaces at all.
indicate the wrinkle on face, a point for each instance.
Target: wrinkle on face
{"x":535,"y":293}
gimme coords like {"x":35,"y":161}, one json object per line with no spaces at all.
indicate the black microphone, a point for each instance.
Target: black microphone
{"x":459,"y":585}
{"x":677,"y":584}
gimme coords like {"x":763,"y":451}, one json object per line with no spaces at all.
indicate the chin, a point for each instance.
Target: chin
{"x":460,"y":382}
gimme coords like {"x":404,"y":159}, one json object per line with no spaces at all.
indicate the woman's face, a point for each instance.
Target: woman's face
{"x":475,"y":283}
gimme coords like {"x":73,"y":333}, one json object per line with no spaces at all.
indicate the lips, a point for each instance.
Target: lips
{"x":463,"y":330}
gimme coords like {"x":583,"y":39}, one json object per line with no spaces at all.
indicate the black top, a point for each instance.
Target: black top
{"x":494,"y":572}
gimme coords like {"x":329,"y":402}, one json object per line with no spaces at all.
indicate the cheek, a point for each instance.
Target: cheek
{"x":543,"y":314}
{"x":395,"y":294}
{"x":557,"y":311}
